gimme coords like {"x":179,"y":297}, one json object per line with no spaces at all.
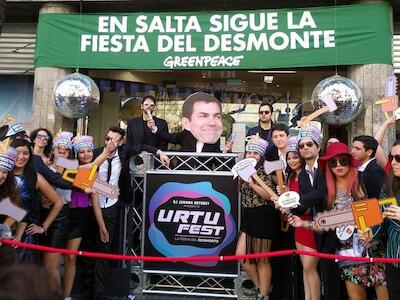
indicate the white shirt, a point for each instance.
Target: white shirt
{"x":311,"y":171}
{"x":116,"y":167}
{"x":199,"y":146}
{"x":64,"y":194}
{"x":282,"y":158}
{"x":365,"y":165}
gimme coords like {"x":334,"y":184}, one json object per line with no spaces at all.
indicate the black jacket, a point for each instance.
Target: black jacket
{"x":264,"y":134}
{"x":373,"y":178}
{"x":188,"y":144}
{"x":136,"y":131}
{"x":314,"y":197}
{"x":125,"y":152}
{"x":187,"y":141}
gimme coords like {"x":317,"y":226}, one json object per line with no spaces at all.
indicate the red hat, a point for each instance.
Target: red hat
{"x":336,"y":149}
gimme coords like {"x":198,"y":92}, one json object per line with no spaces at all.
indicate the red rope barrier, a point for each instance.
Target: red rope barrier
{"x":197,"y":258}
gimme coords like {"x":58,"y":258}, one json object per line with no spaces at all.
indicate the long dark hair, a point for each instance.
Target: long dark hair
{"x":29,"y":170}
{"x":289,"y":171}
{"x":48,"y":149}
{"x":9,"y":189}
{"x":392,"y":183}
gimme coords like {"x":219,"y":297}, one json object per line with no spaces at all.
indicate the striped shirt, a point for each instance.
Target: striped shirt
{"x":390,"y":228}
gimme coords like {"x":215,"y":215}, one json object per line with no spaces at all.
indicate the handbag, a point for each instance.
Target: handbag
{"x":358,"y":250}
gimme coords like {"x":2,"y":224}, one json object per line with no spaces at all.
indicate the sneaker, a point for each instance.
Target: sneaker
{"x":248,"y":288}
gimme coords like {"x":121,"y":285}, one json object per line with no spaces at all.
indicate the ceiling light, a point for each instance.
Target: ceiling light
{"x":268,"y":79}
{"x":274,"y":71}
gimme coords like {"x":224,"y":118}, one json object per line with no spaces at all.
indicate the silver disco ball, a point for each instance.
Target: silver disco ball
{"x":76,"y":95}
{"x":347,"y":96}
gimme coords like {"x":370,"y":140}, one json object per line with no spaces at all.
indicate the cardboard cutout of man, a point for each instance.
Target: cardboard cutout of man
{"x":202,"y":123}
{"x":202,"y":116}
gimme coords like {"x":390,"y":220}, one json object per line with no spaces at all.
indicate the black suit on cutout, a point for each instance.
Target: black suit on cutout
{"x":373,"y":177}
{"x":188,"y":144}
{"x":187,"y":141}
{"x":135,"y":133}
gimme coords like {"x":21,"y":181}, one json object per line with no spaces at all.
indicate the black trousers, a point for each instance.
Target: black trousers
{"x":330,"y":279}
{"x":110,"y":216}
{"x":84,"y":278}
{"x":393,"y":280}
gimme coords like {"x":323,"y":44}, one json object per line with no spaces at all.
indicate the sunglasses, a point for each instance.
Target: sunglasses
{"x":396,"y":158}
{"x":264,"y":112}
{"x":42,"y":137}
{"x":343,"y":161}
{"x":308,"y":144}
{"x":59,"y":147}
{"x":107,"y":138}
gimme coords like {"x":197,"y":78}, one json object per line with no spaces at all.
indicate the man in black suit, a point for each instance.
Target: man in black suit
{"x":372,"y":175}
{"x":140,"y":131}
{"x":263,"y":129}
{"x":312,"y":182}
{"x":313,"y":192}
{"x":115,"y":170}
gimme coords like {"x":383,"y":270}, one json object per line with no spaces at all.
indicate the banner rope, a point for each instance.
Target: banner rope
{"x":197,"y":258}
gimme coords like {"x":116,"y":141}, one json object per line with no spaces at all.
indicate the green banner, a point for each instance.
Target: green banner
{"x":248,"y":39}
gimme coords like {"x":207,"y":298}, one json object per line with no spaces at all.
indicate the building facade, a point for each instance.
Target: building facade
{"x":236,"y":85}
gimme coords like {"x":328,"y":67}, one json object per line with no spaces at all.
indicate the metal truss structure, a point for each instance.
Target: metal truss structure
{"x":178,"y":283}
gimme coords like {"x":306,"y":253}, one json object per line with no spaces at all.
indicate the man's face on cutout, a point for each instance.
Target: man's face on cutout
{"x":205,"y":123}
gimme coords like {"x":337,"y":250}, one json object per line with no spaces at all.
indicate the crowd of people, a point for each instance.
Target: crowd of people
{"x":58,"y":214}
{"x":329,"y":180}
{"x":61,"y":215}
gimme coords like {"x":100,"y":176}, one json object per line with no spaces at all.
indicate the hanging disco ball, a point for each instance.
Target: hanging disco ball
{"x":76,"y":95}
{"x":347,"y":96}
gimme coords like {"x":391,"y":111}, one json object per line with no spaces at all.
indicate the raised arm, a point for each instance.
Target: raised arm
{"x":52,"y":177}
{"x":107,"y":150}
{"x":381,"y":157}
{"x":259,"y":190}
